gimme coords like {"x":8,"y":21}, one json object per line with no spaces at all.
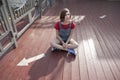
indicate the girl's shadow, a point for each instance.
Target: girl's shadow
{"x":52,"y":63}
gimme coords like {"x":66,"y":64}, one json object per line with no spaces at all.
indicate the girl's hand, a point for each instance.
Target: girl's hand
{"x":65,"y":45}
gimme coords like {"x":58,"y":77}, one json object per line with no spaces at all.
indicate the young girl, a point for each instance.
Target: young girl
{"x":64,"y":31}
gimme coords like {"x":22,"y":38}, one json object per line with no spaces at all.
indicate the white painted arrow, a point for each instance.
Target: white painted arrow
{"x":25,"y":62}
{"x":103,"y":16}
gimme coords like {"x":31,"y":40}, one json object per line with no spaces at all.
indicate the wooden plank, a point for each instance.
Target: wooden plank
{"x":90,"y":63}
{"x":91,"y":41}
{"x":115,"y":44}
{"x":67,"y":71}
{"x":75,"y":61}
{"x":105,"y":65}
{"x":107,"y":50}
{"x":82,"y":59}
{"x":55,"y":67}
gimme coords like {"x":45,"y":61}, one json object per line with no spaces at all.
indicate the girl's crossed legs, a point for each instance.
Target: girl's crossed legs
{"x":57,"y":44}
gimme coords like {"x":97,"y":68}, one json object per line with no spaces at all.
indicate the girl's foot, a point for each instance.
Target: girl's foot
{"x":71,"y":51}
{"x":53,"y":49}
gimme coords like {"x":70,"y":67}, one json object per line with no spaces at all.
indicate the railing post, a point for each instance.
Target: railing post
{"x":12,"y":18}
{"x":30,"y":17}
{"x":50,"y":2}
{"x":1,"y":50}
{"x":6,"y":15}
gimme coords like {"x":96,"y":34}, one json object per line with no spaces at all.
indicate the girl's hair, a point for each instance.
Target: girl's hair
{"x":63,"y":14}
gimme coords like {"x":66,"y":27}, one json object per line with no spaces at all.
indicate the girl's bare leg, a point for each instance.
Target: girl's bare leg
{"x":56,"y":44}
{"x":73,"y":44}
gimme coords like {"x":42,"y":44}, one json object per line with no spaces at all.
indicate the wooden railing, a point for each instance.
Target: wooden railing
{"x":18,"y":20}
{"x":23,"y":9}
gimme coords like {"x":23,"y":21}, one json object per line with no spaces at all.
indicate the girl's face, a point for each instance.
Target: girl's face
{"x":67,"y":17}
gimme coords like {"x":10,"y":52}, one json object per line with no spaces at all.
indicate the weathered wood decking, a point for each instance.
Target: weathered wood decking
{"x":98,"y":35}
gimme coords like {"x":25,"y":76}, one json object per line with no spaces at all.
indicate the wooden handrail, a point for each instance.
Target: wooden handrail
{"x":22,"y":9}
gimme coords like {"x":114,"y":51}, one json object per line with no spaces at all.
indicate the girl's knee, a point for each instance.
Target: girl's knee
{"x":52,"y":43}
{"x":77,"y":45}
